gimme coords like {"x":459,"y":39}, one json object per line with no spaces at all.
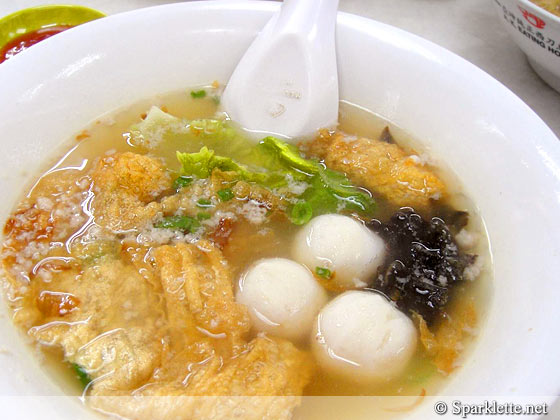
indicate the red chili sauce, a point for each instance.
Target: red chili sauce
{"x":23,"y":42}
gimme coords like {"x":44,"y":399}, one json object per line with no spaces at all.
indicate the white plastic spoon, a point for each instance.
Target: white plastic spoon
{"x":286,"y":84}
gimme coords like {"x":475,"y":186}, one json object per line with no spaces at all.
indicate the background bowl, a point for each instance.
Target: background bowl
{"x":507,"y":158}
{"x":34,"y":18}
{"x":537,"y":32}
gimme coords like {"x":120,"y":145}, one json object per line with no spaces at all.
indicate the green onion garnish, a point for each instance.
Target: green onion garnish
{"x":184,"y":223}
{"x":198,"y":93}
{"x":226,"y":194}
{"x":182,"y":182}
{"x":323,"y":272}
{"x":82,"y":374}
{"x":204,"y":203}
{"x":301,"y":213}
{"x":203,"y":216}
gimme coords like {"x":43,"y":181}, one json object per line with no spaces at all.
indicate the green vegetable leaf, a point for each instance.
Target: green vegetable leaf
{"x":202,"y":163}
{"x":289,"y":154}
{"x":301,"y":213}
{"x":196,"y":94}
{"x":199,"y":164}
{"x":156,"y":128}
{"x":182,"y":182}
{"x":271,"y":163}
{"x":421,"y":370}
{"x":214,"y":130}
{"x":184,"y":223}
{"x":82,"y":374}
{"x":323,"y":272}
{"x":226,"y":194}
{"x":330,"y":190}
{"x":353,"y":198}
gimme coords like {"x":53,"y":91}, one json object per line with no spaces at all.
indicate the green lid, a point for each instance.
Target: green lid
{"x":34,"y":18}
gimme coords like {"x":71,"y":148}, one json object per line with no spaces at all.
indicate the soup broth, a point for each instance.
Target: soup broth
{"x":42,"y":278}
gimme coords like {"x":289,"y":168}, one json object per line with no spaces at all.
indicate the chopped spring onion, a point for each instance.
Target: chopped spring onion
{"x":323,"y":272}
{"x":226,"y":194}
{"x":203,"y":216}
{"x":301,"y":213}
{"x":82,"y":374}
{"x":198,"y":93}
{"x":204,"y":203}
{"x":184,"y":223}
{"x":182,"y":182}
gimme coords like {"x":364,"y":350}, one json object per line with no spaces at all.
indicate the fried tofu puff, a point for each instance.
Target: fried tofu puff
{"x":125,"y":187}
{"x":382,"y":167}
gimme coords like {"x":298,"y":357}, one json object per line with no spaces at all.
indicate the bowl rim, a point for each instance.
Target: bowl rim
{"x":79,"y":15}
{"x":44,"y":7}
{"x":535,"y":7}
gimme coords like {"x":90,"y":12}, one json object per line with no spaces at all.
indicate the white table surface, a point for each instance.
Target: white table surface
{"x":470,"y":28}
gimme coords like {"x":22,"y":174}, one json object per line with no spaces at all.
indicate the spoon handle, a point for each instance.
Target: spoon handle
{"x":309,"y":17}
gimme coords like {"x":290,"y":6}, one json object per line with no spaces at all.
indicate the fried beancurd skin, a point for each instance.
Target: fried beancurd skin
{"x":44,"y":218}
{"x":205,"y":353}
{"x":384,"y":168}
{"x":246,"y":191}
{"x":183,"y":337}
{"x":264,"y":382}
{"x":125,"y":187}
{"x":445,"y":342}
{"x":207,"y":325}
{"x":198,"y":291}
{"x":113,"y":335}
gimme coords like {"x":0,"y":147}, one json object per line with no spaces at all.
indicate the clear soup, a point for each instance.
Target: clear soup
{"x":44,"y":272}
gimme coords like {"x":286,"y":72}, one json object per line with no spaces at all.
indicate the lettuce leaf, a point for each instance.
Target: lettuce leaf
{"x":329,"y":191}
{"x":290,"y":156}
{"x":202,"y":145}
{"x":202,"y":163}
{"x":155,"y":128}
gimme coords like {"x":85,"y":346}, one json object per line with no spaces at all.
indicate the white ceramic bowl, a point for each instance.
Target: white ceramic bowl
{"x":537,"y":32}
{"x":507,"y":158}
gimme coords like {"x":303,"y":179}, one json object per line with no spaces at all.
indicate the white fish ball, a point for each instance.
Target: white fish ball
{"x":283,"y":297}
{"x":351,"y":251}
{"x":362,"y":336}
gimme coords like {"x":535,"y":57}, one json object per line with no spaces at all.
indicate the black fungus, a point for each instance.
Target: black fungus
{"x":455,"y":219}
{"x":386,"y":136}
{"x":424,"y":262}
